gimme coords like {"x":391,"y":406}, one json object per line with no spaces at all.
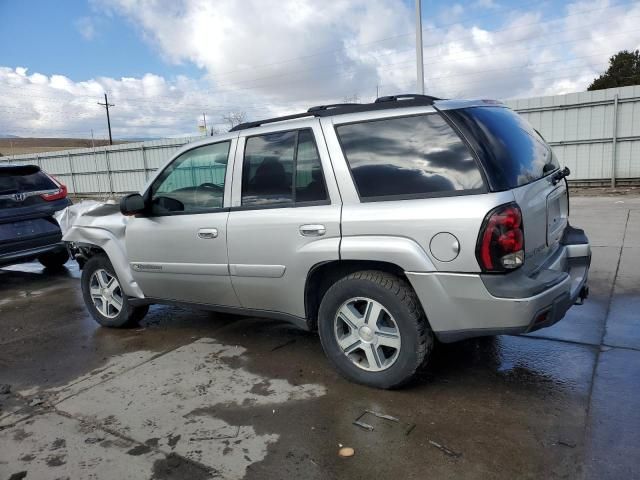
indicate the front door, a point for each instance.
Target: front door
{"x":285,"y":217}
{"x":179,"y":250}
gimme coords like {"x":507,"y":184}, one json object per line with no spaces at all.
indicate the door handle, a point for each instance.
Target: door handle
{"x":312,"y":230}
{"x":208,"y":233}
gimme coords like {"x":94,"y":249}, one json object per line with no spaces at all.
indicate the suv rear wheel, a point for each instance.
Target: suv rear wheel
{"x":373,"y":329}
{"x":104,"y":297}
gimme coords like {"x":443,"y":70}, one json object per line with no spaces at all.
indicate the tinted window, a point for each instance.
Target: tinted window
{"x":309,"y":179}
{"x":514,"y":152}
{"x":12,"y":181}
{"x":275,"y":163}
{"x":408,"y":156}
{"x":193,"y":182}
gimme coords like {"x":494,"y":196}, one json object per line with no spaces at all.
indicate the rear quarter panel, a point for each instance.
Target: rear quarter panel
{"x":419,"y":221}
{"x":415,"y":220}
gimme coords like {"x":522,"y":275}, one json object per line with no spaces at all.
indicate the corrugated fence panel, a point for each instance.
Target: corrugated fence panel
{"x":126,"y":160}
{"x":116,"y":169}
{"x":89,"y":162}
{"x":128,"y":181}
{"x":579,"y":127}
{"x":95,"y":183}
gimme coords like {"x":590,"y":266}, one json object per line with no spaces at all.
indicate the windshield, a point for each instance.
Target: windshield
{"x":514,"y":153}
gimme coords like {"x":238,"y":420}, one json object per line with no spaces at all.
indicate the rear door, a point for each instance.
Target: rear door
{"x":28,"y":200}
{"x":517,"y":158}
{"x":179,"y":251}
{"x":285,"y":216}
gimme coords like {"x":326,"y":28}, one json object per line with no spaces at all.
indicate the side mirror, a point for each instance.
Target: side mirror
{"x":132,"y":204}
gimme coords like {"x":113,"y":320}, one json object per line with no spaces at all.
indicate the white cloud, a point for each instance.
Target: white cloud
{"x":39,"y":105}
{"x":86,"y":27}
{"x":269,"y":57}
{"x":491,"y":4}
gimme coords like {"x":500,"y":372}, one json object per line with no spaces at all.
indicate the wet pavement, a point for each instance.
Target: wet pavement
{"x":195,"y":395}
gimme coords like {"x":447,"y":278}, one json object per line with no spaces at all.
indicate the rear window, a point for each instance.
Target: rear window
{"x":18,"y":180}
{"x":408,"y":157}
{"x":515,"y":154}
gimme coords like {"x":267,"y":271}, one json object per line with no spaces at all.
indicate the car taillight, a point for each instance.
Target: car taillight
{"x":58,"y":194}
{"x":501,"y":241}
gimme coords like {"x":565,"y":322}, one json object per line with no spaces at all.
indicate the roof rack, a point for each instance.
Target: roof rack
{"x":382,"y":103}
{"x":331,"y":106}
{"x":405,"y":97}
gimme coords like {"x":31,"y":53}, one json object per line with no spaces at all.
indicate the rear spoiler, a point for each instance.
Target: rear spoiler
{"x":13,"y":170}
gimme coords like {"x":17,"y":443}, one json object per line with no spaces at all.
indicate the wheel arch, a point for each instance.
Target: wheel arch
{"x":92,"y":241}
{"x":324,"y":274}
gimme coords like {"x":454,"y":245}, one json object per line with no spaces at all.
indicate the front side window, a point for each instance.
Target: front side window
{"x":282,"y":168}
{"x":416,"y":156}
{"x":193,"y":182}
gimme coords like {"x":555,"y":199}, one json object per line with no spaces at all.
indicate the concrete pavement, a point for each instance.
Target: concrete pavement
{"x":196,"y":395}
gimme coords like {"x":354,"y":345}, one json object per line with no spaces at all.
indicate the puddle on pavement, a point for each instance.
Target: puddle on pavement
{"x":165,"y":401}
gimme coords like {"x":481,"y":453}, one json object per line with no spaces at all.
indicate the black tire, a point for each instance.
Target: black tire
{"x":128,"y":316}
{"x":399,"y":299}
{"x":54,"y":260}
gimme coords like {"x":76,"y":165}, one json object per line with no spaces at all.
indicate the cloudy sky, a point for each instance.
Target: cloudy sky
{"x":165,"y":62}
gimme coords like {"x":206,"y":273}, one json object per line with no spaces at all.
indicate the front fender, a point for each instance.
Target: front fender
{"x":114,"y":247}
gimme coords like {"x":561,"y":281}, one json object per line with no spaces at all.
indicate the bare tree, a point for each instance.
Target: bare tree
{"x":355,"y":98}
{"x":235,"y":118}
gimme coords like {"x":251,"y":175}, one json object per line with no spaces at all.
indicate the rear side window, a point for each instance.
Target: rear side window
{"x":408,"y":157}
{"x":14,"y":181}
{"x":515,"y":154}
{"x":282,"y":168}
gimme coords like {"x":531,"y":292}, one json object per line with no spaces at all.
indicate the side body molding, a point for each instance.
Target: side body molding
{"x":400,"y":251}
{"x":115,"y":249}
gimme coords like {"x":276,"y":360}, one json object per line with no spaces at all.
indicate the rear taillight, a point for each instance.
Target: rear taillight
{"x":501,"y":240}
{"x":58,"y":194}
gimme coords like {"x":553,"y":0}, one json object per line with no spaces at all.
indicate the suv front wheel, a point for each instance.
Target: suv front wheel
{"x":373,"y":329}
{"x":104,"y":298}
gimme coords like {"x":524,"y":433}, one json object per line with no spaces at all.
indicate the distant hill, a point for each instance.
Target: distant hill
{"x":10,"y":145}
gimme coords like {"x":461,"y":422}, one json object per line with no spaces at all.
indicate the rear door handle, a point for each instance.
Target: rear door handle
{"x":208,"y":233}
{"x":312,"y":230}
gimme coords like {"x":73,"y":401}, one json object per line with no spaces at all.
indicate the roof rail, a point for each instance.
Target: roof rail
{"x":244,"y":126}
{"x":382,"y":103}
{"x":331,"y":106}
{"x":407,"y":96}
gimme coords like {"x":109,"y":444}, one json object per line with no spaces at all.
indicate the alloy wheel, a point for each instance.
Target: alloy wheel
{"x":106,"y":293}
{"x":367,"y":334}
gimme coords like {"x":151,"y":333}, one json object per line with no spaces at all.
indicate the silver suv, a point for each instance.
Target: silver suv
{"x":383,"y":226}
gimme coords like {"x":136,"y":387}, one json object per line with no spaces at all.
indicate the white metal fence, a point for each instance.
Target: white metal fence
{"x":596,"y":134}
{"x":105,"y":170}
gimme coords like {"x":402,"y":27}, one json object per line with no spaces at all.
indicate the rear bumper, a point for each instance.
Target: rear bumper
{"x":461,"y":306}
{"x":30,"y":252}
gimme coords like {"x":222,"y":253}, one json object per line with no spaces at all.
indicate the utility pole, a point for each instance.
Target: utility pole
{"x":106,"y":105}
{"x":204,"y":118}
{"x":419,"y":59}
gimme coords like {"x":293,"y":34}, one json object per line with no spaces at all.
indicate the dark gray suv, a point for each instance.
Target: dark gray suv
{"x":28,"y":231}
